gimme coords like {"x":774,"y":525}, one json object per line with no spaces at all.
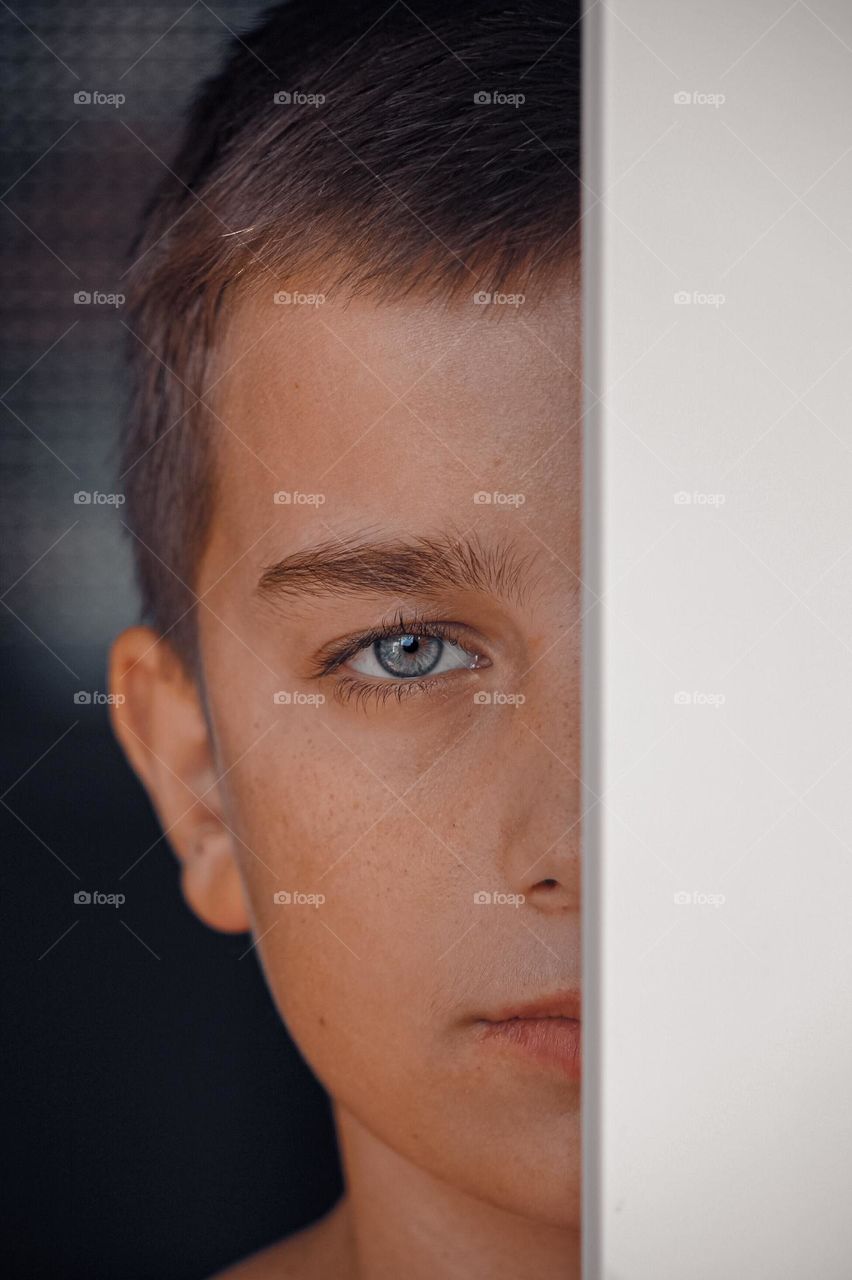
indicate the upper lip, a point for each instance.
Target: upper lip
{"x":564,"y":1004}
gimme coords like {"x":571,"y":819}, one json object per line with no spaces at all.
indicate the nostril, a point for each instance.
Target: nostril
{"x":547,"y":884}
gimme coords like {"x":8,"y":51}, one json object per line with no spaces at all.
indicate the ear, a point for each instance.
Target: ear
{"x":157,"y":717}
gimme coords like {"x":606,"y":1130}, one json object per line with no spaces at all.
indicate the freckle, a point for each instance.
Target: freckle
{"x":321,"y":1020}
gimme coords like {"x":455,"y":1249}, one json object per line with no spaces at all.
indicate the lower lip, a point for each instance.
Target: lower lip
{"x":553,"y":1042}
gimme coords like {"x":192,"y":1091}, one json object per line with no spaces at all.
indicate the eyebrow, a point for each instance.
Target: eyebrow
{"x":358,"y":565}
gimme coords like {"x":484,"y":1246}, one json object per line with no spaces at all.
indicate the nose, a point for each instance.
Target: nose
{"x":541,"y":813}
{"x":552,"y":882}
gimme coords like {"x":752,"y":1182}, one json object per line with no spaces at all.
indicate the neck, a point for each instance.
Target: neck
{"x":403,"y":1221}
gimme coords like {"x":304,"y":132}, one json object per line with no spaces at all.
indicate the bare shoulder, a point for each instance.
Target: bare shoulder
{"x":320,"y":1252}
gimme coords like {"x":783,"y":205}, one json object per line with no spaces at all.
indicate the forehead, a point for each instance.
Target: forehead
{"x":398,"y":414}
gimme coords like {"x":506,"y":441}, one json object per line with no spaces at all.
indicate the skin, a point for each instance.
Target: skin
{"x":460,"y":1159}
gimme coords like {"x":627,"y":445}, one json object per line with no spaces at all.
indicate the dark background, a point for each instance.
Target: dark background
{"x":160,"y":1122}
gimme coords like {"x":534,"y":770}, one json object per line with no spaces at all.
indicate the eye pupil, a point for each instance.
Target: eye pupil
{"x":410,"y":644}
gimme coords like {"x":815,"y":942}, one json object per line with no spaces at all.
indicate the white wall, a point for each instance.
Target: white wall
{"x":718,"y":1092}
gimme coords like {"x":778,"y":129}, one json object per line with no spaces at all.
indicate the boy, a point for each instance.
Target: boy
{"x":353,"y":482}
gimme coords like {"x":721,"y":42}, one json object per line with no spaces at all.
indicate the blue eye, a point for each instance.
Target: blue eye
{"x":407,"y":656}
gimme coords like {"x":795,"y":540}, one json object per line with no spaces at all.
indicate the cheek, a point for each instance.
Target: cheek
{"x":359,"y":887}
{"x":357,"y":977}
{"x":361,"y":967}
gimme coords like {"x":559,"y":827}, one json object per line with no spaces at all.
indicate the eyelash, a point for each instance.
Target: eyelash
{"x":350,"y":687}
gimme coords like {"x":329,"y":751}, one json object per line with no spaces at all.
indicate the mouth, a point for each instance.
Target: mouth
{"x":547,"y":1032}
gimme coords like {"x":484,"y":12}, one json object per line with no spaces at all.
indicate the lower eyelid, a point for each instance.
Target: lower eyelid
{"x":348,"y":687}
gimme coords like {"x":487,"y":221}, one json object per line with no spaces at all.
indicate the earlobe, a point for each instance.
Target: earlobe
{"x":211,"y":883}
{"x":159,"y":721}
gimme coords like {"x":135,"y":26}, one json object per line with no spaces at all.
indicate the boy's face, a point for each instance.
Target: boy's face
{"x":391,"y":801}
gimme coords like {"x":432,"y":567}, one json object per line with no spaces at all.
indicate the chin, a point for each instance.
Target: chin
{"x":540,"y":1181}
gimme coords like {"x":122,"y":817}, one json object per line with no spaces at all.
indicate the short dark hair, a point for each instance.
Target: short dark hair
{"x":430,"y":148}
